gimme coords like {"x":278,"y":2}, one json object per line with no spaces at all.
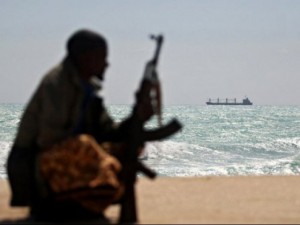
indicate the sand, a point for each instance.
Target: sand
{"x":258,"y":199}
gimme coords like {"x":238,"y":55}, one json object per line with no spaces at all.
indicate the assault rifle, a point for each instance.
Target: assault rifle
{"x":138,"y":135}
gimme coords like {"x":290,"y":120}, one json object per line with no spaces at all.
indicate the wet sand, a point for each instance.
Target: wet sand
{"x":258,"y":199}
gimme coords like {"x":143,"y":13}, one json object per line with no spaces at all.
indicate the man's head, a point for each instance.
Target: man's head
{"x":88,"y":50}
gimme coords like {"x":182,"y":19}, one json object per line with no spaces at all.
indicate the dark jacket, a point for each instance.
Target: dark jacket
{"x":60,"y":107}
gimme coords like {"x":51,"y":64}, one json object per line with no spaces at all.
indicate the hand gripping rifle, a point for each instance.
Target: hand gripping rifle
{"x":138,"y":135}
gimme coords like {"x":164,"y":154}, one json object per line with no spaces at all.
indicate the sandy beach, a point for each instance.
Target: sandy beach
{"x":258,"y":199}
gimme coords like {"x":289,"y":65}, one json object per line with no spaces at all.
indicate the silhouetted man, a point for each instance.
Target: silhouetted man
{"x":65,"y":105}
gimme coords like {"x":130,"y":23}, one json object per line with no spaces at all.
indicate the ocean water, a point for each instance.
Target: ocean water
{"x":215,"y":140}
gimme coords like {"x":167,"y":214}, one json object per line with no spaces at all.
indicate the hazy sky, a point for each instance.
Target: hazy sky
{"x":225,"y":48}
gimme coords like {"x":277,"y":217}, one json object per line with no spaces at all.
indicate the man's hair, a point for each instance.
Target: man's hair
{"x":84,"y":40}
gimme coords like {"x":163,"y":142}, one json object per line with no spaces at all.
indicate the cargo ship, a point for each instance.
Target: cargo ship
{"x":227,"y":101}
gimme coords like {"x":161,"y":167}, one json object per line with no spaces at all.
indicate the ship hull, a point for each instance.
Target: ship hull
{"x":245,"y":101}
{"x":213,"y":103}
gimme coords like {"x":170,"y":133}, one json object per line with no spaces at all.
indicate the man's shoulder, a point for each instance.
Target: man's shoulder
{"x":61,"y":74}
{"x":64,"y":72}
{"x":53,"y":75}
